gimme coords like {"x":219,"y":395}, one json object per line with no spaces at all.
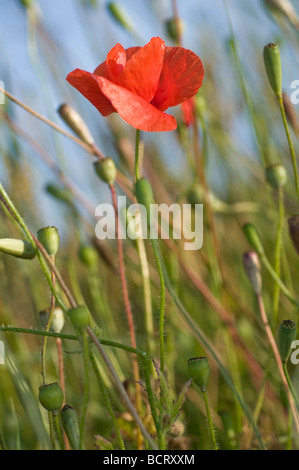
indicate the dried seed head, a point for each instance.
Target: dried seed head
{"x":51,"y":396}
{"x":286,"y":335}
{"x":253,"y":238}
{"x":73,"y":119}
{"x":49,"y":238}
{"x":273,"y":67}
{"x":290,"y":113}
{"x":79,"y":317}
{"x":284,"y":7}
{"x":57,"y":322}
{"x":294,"y":231}
{"x":70,"y":423}
{"x":106,"y":170}
{"x":17,"y":248}
{"x":199,"y":371}
{"x":276,"y":175}
{"x":252,"y":268}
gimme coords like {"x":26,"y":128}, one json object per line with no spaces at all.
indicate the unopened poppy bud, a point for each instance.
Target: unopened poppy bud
{"x":79,"y":317}
{"x":51,"y":396}
{"x":199,"y":371}
{"x":294,"y":231}
{"x":253,"y":238}
{"x":174,"y":28}
{"x":17,"y":248}
{"x":88,"y":255}
{"x":120,"y":15}
{"x":253,"y":270}
{"x":144,"y":195}
{"x":70,"y":423}
{"x":286,"y":335}
{"x":276,"y":175}
{"x":49,"y":238}
{"x":57,"y":322}
{"x":73,"y":119}
{"x":290,"y":113}
{"x":60,"y":193}
{"x":273,"y":67}
{"x":106,"y":170}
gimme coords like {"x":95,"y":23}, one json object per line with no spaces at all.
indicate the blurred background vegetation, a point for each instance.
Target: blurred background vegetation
{"x":240,"y":133}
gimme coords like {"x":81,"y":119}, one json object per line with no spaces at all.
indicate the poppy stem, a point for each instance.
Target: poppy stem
{"x":137,"y":141}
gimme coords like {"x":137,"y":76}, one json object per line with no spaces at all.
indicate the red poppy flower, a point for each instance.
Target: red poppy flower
{"x":140,"y":83}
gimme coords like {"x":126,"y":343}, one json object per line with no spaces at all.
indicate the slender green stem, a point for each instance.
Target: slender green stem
{"x":51,"y":429}
{"x":149,"y":324}
{"x":45,"y":340}
{"x":290,"y":142}
{"x":210,"y":421}
{"x":286,"y":374}
{"x":106,"y":400}
{"x":277,"y":253}
{"x":155,"y":245}
{"x":57,"y":426}
{"x":137,"y":141}
{"x":86,"y":387}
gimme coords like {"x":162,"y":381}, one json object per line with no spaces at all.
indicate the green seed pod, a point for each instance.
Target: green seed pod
{"x":49,"y":238}
{"x":88,"y":255}
{"x":120,"y":15}
{"x":106,"y":170}
{"x":73,"y":119}
{"x":273,"y":67}
{"x":294,"y":231}
{"x":70,"y":423}
{"x":286,"y":335}
{"x":57,"y":322}
{"x":17,"y":248}
{"x":51,"y":396}
{"x":253,"y":270}
{"x":79,"y":317}
{"x":144,"y":195}
{"x":253,"y":238}
{"x":199,"y":371}
{"x":174,"y":28}
{"x":60,"y":193}
{"x":276,"y":175}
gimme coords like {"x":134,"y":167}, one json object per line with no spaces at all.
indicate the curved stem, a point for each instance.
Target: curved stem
{"x":56,"y":423}
{"x":291,"y":146}
{"x":277,"y":253}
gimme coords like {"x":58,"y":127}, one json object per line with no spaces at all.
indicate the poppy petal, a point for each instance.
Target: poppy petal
{"x":180,"y":79}
{"x":136,"y":111}
{"x":142,"y":71}
{"x":87,"y":83}
{"x":115,"y":61}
